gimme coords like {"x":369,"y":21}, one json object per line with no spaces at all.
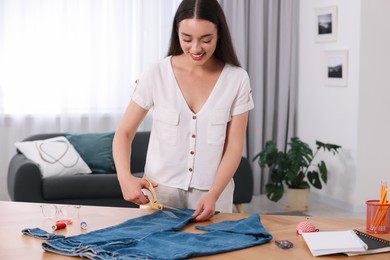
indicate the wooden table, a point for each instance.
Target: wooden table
{"x":14,"y":216}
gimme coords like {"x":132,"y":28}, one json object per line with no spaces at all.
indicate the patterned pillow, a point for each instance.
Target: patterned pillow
{"x":54,"y":156}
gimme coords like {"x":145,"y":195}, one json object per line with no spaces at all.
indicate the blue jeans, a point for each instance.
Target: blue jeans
{"x":157,"y":236}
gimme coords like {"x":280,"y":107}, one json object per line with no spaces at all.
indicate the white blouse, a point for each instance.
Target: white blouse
{"x":185,"y":148}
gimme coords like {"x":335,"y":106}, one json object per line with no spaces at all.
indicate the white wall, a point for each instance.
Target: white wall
{"x":347,"y":115}
{"x":374,"y":104}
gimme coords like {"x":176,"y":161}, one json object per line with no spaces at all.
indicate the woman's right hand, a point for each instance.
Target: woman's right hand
{"x":131,"y":186}
{"x":132,"y":189}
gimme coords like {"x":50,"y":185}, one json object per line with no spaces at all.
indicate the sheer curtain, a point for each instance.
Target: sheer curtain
{"x":69,"y":65}
{"x":265,"y":35}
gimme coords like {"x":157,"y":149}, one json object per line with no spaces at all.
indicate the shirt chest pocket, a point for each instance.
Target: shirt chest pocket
{"x":166,"y":122}
{"x":216,"y":130}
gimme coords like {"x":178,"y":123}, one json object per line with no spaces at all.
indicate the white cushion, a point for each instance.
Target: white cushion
{"x":54,"y":156}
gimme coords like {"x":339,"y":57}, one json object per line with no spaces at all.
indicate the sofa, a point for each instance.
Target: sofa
{"x":98,"y":185}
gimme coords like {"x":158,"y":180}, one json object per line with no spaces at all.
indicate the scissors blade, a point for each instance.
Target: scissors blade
{"x":171,"y":211}
{"x":154,"y":204}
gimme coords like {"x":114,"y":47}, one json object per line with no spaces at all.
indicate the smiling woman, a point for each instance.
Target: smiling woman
{"x":70,"y":65}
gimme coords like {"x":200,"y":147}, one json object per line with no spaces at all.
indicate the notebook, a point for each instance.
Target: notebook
{"x":375,"y":244}
{"x":333,"y":242}
{"x":349,"y":242}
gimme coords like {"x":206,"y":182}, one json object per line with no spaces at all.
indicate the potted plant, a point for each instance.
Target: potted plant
{"x":293,"y":168}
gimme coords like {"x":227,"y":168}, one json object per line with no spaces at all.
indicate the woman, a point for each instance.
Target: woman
{"x":200,"y":98}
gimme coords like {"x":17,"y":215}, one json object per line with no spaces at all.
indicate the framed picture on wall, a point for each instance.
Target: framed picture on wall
{"x":326,"y":24}
{"x":336,"y":68}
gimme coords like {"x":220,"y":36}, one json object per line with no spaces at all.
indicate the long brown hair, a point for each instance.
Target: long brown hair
{"x":211,"y":11}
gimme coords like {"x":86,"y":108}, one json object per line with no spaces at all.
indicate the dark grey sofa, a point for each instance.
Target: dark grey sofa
{"x":25,"y":182}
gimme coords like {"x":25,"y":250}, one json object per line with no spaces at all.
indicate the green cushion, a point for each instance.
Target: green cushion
{"x":95,"y":149}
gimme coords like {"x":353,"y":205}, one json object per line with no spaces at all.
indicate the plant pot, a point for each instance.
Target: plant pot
{"x":297,"y":199}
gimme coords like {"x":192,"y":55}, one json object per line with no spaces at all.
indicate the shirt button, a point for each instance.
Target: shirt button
{"x":194,"y":117}
{"x":192,"y":152}
{"x":190,"y":169}
{"x":193,"y":136}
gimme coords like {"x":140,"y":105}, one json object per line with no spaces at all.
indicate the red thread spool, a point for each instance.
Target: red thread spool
{"x":66,"y":221}
{"x":59,"y":225}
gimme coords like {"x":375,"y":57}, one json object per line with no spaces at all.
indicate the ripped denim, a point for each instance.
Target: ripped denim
{"x":158,"y":236}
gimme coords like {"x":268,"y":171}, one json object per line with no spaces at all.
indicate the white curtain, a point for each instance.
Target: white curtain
{"x":265,"y":35}
{"x":69,"y":65}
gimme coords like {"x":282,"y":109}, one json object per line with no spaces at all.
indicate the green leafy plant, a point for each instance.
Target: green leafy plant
{"x":293,"y":167}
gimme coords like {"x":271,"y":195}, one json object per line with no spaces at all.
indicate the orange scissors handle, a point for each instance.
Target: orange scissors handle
{"x":153,"y":202}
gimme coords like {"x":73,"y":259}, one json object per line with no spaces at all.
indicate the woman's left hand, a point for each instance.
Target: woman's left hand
{"x":206,"y":208}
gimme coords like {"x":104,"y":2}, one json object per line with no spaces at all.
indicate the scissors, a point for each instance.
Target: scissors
{"x":153,"y":202}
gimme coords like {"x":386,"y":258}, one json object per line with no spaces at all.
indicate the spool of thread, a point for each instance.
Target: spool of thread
{"x":59,"y":225}
{"x":83,"y":225}
{"x":66,"y":221}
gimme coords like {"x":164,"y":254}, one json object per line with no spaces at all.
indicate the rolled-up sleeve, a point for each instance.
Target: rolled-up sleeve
{"x":243,"y":101}
{"x":143,"y":90}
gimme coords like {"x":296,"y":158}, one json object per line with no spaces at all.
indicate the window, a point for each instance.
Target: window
{"x":77,"y":56}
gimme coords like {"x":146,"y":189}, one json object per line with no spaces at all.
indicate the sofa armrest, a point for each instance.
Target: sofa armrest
{"x":24,"y":180}
{"x":243,"y":180}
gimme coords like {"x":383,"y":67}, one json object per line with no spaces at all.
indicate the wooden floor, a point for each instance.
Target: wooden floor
{"x":261,"y":204}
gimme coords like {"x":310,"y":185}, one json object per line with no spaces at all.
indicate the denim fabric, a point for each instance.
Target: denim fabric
{"x":39,"y":233}
{"x":157,"y":236}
